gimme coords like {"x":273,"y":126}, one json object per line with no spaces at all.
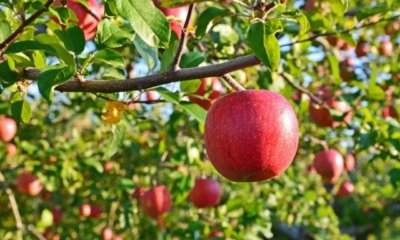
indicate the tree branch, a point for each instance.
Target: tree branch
{"x":182,"y":42}
{"x":25,"y":23}
{"x":14,"y":208}
{"x":303,"y":90}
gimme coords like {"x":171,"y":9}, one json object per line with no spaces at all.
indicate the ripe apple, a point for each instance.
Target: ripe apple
{"x":57,"y":215}
{"x":311,"y":168}
{"x":322,"y":117}
{"x":156,"y":201}
{"x":251,"y":135}
{"x":95,"y":211}
{"x":329,"y":164}
{"x":87,"y":22}
{"x":386,"y":48}
{"x":8,"y":129}
{"x":52,"y":159}
{"x":45,"y":195}
{"x":350,"y":162}
{"x":362,"y":49}
{"x":108,"y":166}
{"x":216,"y":92}
{"x":28,"y":183}
{"x":107,"y":233}
{"x":205,"y":193}
{"x":215,"y":234}
{"x":180,"y":14}
{"x":117,"y":238}
{"x":139,"y":191}
{"x":390,"y":111}
{"x":335,"y":41}
{"x":309,"y":5}
{"x":151,"y":96}
{"x":346,"y":189}
{"x":85,"y":210}
{"x":11,"y":150}
{"x":392,"y":28}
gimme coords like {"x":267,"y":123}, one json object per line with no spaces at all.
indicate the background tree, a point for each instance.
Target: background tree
{"x":104,"y":104}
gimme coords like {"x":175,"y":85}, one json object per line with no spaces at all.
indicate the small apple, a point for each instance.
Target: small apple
{"x":329,"y":164}
{"x":392,"y":28}
{"x":117,"y":238}
{"x":107,"y":233}
{"x":151,"y":96}
{"x":8,"y":128}
{"x":309,"y":5}
{"x":386,"y":48}
{"x":322,"y":117}
{"x":108,"y":166}
{"x":52,"y":159}
{"x":87,"y":22}
{"x":45,"y":195}
{"x":57,"y":215}
{"x":350,"y":162}
{"x":311,"y":169}
{"x":215,"y":234}
{"x":390,"y":112}
{"x":335,"y":41}
{"x":156,"y":201}
{"x":216,"y":92}
{"x":11,"y":150}
{"x":95,"y":211}
{"x":205,"y":193}
{"x":28,"y":183}
{"x":85,"y":210}
{"x":251,"y":135}
{"x":139,"y":191}
{"x":362,"y":49}
{"x":346,"y":189}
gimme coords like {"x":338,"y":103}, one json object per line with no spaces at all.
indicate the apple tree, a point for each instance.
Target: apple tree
{"x":195,"y":119}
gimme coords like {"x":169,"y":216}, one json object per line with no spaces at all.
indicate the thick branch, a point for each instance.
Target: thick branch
{"x":25,"y":23}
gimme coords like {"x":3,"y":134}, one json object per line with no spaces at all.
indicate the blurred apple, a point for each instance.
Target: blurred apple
{"x":156,"y":201}
{"x":11,"y":150}
{"x":107,"y":233}
{"x":205,"y":193}
{"x":346,"y":189}
{"x":8,"y":128}
{"x":28,"y":183}
{"x":216,"y":92}
{"x":350,"y":162}
{"x":386,"y":48}
{"x":329,"y":164}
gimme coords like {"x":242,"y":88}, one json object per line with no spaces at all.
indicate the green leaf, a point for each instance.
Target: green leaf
{"x":302,"y":20}
{"x":21,"y":111}
{"x":54,"y":42}
{"x":172,"y":97}
{"x":73,"y":39}
{"x":95,"y":164}
{"x":112,"y":36}
{"x":190,"y":86}
{"x":207,"y":18}
{"x":149,"y":54}
{"x":367,"y":139}
{"x":52,"y":77}
{"x":23,"y":46}
{"x":118,"y":135}
{"x":110,"y":57}
{"x":147,"y":21}
{"x":167,"y":57}
{"x":192,"y":59}
{"x":195,"y":111}
{"x":262,"y":41}
{"x":8,"y":76}
{"x":339,"y":7}
{"x":46,"y":219}
{"x":62,"y":14}
{"x":394,"y":175}
{"x":5,"y":30}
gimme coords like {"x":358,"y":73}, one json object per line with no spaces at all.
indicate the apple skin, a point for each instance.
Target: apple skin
{"x":28,"y":183}
{"x":322,"y":117}
{"x":205,"y":193}
{"x":251,"y":135}
{"x":180,"y":13}
{"x":90,"y":210}
{"x":155,"y":202}
{"x":309,"y":5}
{"x":85,"y":210}
{"x":11,"y":150}
{"x":216,"y":92}
{"x":151,"y":96}
{"x":346,"y":189}
{"x":87,"y":22}
{"x":386,"y":48}
{"x":215,"y":234}
{"x":108,"y":166}
{"x":329,"y":164}
{"x":350,"y":162}
{"x":117,"y":238}
{"x":335,"y":41}
{"x":8,"y":129}
{"x":139,"y":191}
{"x":362,"y":49}
{"x":57,"y":215}
{"x":392,"y":28}
{"x":107,"y":233}
{"x":390,"y":111}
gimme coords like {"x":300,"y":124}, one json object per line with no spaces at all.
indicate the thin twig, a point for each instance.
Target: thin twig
{"x":25,"y":23}
{"x":233,"y":83}
{"x":303,"y":90}
{"x":14,"y":208}
{"x":37,"y":234}
{"x":182,"y":42}
{"x":323,"y":143}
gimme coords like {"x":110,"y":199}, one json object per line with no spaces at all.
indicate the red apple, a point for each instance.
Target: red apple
{"x":57,"y":215}
{"x":52,"y":159}
{"x":11,"y":150}
{"x":309,"y":5}
{"x":139,"y":191}
{"x":107,"y":233}
{"x":28,"y":183}
{"x":392,"y":28}
{"x":87,"y":22}
{"x":156,"y":201}
{"x":311,"y":168}
{"x":390,"y":111}
{"x":151,"y":95}
{"x":85,"y":210}
{"x":346,"y":189}
{"x":95,"y":211}
{"x":322,"y":117}
{"x":8,"y":129}
{"x":386,"y":48}
{"x":180,"y":14}
{"x":205,"y":193}
{"x":335,"y":42}
{"x":215,"y":234}
{"x":117,"y":238}
{"x":251,"y":135}
{"x":108,"y":166}
{"x":362,"y":49}
{"x":346,"y":69}
{"x":396,"y":76}
{"x":216,"y":92}
{"x":329,"y":164}
{"x":45,"y":195}
{"x":350,"y":162}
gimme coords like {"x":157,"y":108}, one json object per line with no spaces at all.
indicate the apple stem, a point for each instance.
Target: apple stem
{"x":313,"y":97}
{"x":183,"y":40}
{"x":233,"y":83}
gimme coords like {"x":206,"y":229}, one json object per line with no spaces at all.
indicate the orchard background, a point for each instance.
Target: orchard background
{"x":105,"y":111}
